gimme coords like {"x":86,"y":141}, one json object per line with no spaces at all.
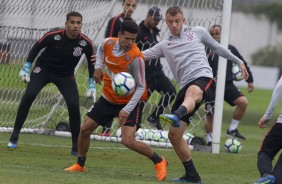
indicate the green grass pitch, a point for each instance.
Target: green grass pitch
{"x":41,"y":159}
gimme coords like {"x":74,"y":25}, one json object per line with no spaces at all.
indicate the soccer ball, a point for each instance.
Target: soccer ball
{"x":148,"y":135}
{"x":236,"y":72}
{"x":232,"y":145}
{"x":140,"y":134}
{"x":118,"y":132}
{"x":188,"y":137}
{"x":123,"y":83}
{"x":160,"y":136}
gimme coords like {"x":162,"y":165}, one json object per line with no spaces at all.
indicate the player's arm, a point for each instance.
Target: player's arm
{"x":91,"y":91}
{"x":112,"y":27}
{"x":137,"y":67}
{"x":154,"y":52}
{"x":275,"y":98}
{"x":99,"y":64}
{"x":40,"y":44}
{"x":236,"y":53}
{"x":221,"y":50}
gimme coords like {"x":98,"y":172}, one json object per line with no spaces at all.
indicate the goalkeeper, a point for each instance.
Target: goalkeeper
{"x":56,"y":64}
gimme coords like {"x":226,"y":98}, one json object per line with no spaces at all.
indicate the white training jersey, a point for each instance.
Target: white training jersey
{"x":275,"y":98}
{"x":186,"y":54}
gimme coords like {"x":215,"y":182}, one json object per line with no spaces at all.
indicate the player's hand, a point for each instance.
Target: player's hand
{"x":244,"y":71}
{"x":24,"y":73}
{"x":98,"y":76}
{"x":262,"y":123}
{"x":250,"y":87}
{"x":122,"y":117}
{"x":91,"y":91}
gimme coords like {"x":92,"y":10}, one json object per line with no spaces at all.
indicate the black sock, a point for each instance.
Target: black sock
{"x":81,"y":161}
{"x":15,"y":136}
{"x":191,"y":171}
{"x":156,"y":158}
{"x":264,"y":164}
{"x":181,"y":111}
{"x":74,"y":146}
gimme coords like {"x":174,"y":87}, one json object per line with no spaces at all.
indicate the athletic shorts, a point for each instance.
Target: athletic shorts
{"x":104,"y":111}
{"x":231,"y":93}
{"x":207,"y":85}
{"x":272,"y":142}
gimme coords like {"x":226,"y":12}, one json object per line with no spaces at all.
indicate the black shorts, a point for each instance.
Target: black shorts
{"x":207,"y":85}
{"x":104,"y":111}
{"x":231,"y":93}
{"x":272,"y":142}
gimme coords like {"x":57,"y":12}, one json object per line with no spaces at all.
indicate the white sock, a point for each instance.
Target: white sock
{"x":209,"y":137}
{"x":234,"y":124}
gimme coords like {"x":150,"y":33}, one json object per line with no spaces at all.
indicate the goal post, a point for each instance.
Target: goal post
{"x":219,"y":98}
{"x":24,"y":22}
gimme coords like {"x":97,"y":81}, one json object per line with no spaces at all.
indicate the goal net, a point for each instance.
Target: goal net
{"x":24,"y":22}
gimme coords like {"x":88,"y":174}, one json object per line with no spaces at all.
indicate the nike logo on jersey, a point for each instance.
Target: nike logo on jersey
{"x":169,"y":43}
{"x":109,"y":62}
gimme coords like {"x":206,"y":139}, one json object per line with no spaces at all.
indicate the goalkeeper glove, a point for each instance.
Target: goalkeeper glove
{"x":91,"y":91}
{"x":24,"y":73}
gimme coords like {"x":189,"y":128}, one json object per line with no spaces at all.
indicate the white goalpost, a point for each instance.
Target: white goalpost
{"x":24,"y":22}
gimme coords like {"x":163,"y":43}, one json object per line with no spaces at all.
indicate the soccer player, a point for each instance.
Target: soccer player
{"x":62,"y":51}
{"x":272,"y":142}
{"x":112,"y":30}
{"x":155,"y":77}
{"x":186,"y":57}
{"x":232,"y":95}
{"x":114,"y":23}
{"x":119,"y":55}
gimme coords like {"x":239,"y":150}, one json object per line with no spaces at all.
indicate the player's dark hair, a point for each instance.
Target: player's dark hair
{"x":73,"y":14}
{"x":174,"y":10}
{"x":129,"y":26}
{"x":214,"y":26}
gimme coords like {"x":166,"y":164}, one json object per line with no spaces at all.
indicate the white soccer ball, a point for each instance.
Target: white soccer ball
{"x":148,"y":135}
{"x":123,"y":83}
{"x":236,"y":72}
{"x":188,"y":137}
{"x":232,"y":145}
{"x":140,"y":134}
{"x":160,"y":136}
{"x":118,"y":132}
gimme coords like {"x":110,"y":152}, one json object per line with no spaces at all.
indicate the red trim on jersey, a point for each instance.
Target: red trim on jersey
{"x":265,"y":137}
{"x":89,"y":40}
{"x":113,"y":24}
{"x":50,"y":33}
{"x":86,"y":38}
{"x":208,"y":85}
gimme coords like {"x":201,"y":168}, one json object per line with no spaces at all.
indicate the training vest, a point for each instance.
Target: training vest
{"x":120,"y":65}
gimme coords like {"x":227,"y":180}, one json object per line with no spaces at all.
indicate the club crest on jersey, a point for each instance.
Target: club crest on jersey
{"x":110,"y":42}
{"x":190,"y":36}
{"x":77,"y":51}
{"x":127,"y":57}
{"x":82,"y":43}
{"x":36,"y":69}
{"x":57,"y":37}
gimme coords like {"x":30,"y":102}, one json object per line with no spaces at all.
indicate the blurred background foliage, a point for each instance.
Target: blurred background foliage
{"x":271,"y":9}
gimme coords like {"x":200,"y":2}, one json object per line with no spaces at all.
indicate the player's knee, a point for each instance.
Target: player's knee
{"x":242,"y":102}
{"x":88,"y":126}
{"x":173,"y":137}
{"x":127,"y":142}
